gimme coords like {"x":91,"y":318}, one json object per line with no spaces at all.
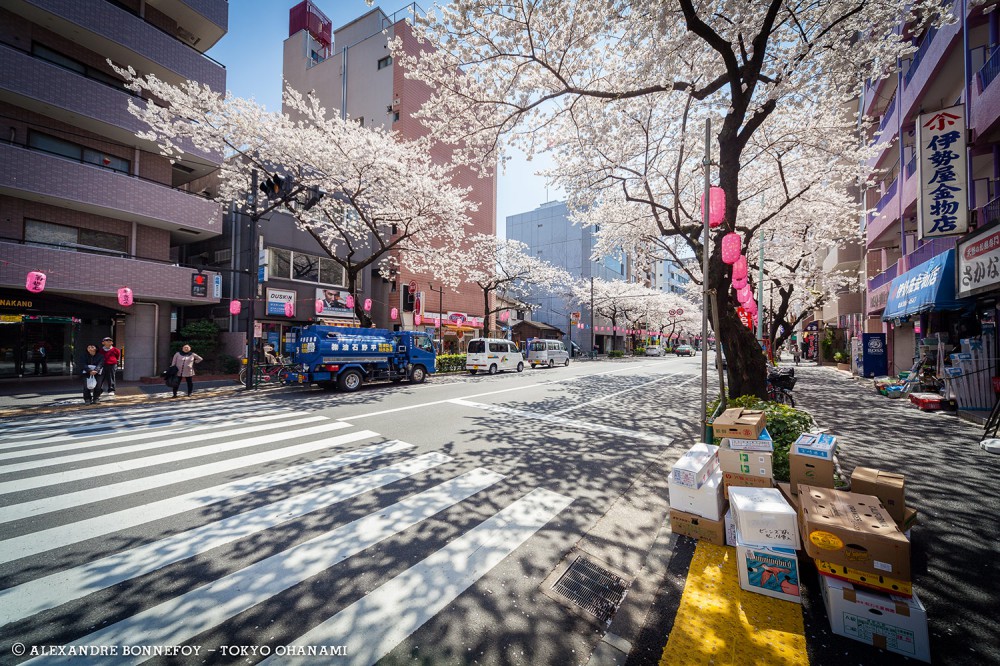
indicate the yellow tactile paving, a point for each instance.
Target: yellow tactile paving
{"x":720,"y":623}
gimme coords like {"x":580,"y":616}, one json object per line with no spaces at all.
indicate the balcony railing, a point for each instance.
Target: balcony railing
{"x":919,"y":55}
{"x":889,"y":194}
{"x":177,"y":39}
{"x":991,"y":212}
{"x":890,"y":107}
{"x":990,"y":69}
{"x":929,"y":250}
{"x":885,"y":277}
{"x":911,"y":166}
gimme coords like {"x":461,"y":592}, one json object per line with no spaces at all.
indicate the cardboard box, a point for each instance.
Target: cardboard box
{"x":697,"y":527}
{"x":815,"y":445}
{"x":764,"y":518}
{"x":888,"y":622}
{"x":909,"y":520}
{"x":696,"y":465}
{"x":790,"y":497}
{"x":877,"y":582}
{"x":706,"y":501}
{"x":739,"y":423}
{"x":889,"y":487}
{"x":768,"y":570}
{"x":810,"y":471}
{"x":754,"y":463}
{"x":731,"y":479}
{"x":853,"y":530}
{"x":730,"y":529}
{"x":762,"y":443}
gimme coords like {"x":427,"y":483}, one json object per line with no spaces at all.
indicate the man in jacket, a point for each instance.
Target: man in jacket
{"x":92,"y":366}
{"x":111,"y":357}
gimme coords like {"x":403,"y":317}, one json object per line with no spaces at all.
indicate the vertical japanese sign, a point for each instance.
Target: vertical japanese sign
{"x":941,"y":168}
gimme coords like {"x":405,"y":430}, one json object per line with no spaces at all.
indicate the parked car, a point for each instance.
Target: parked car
{"x":654,"y":350}
{"x":493,"y":355}
{"x":684,"y":350}
{"x":547,"y":352}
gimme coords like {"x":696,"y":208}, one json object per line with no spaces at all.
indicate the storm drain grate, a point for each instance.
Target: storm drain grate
{"x":592,"y":588}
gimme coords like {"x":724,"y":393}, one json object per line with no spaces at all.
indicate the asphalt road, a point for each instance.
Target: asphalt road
{"x":511,"y":477}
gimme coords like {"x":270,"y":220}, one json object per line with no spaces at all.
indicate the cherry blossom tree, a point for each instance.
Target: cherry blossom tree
{"x":504,"y":269}
{"x":622,"y":92}
{"x":365,"y":195}
{"x":620,"y":302}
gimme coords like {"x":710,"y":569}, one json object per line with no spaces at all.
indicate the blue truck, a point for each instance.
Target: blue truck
{"x":346,"y":358}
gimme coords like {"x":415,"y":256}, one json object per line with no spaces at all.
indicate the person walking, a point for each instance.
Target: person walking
{"x":795,"y":354}
{"x":92,"y":367}
{"x":40,"y":356}
{"x":111,"y":357}
{"x":184,"y":361}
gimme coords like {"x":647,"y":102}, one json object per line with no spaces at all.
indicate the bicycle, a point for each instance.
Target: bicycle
{"x":779,"y":386}
{"x":267,"y":374}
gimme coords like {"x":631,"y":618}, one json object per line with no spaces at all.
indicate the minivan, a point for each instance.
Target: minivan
{"x":547,"y":352}
{"x":492,"y":355}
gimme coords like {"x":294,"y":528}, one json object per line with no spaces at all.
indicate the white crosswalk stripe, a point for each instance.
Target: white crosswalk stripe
{"x":240,"y":497}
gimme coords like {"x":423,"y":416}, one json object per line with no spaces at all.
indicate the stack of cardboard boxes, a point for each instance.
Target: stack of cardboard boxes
{"x":766,"y":538}
{"x":696,"y":502}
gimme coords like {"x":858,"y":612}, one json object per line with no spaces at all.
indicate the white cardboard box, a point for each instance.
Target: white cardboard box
{"x":815,"y":445}
{"x":706,"y":501}
{"x":769,"y":570}
{"x":696,"y":465}
{"x":885,"y":621}
{"x":762,"y":443}
{"x":764,"y":518}
{"x":730,"y":529}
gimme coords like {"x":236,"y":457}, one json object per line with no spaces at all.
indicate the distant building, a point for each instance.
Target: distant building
{"x":668,"y":276}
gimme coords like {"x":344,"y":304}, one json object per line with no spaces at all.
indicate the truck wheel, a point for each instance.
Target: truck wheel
{"x":349,"y":381}
{"x":552,"y":363}
{"x":566,"y":362}
{"x":520,"y":367}
{"x":418,"y":374}
{"x":493,"y":369}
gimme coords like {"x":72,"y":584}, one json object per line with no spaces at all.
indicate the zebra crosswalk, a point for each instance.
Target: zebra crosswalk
{"x":159,"y":534}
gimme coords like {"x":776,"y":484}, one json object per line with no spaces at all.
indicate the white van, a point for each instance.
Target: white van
{"x":547,"y":352}
{"x":493,"y":355}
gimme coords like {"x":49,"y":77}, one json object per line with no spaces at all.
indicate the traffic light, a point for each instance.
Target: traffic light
{"x":276,"y":187}
{"x":313,"y":195}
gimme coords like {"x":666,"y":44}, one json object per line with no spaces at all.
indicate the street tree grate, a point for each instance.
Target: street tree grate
{"x":593,"y":588}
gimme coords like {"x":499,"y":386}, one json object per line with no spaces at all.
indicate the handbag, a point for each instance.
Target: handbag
{"x":169,"y":372}
{"x":91,"y":382}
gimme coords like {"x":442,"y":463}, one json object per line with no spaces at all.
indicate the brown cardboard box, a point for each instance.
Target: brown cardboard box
{"x":744,"y":481}
{"x":696,"y":527}
{"x":790,"y":497}
{"x":908,"y":521}
{"x":853,"y":530}
{"x":809,"y":471}
{"x":887,"y":486}
{"x":755,"y":463}
{"x":739,"y":422}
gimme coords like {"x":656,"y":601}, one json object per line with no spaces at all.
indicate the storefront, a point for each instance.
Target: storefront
{"x":454,"y":332}
{"x":41,"y":335}
{"x":978,"y":268}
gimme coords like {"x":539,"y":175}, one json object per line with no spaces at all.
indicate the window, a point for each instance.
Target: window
{"x":498,"y":347}
{"x":384,"y":62}
{"x":289,"y":265}
{"x":73,"y":238}
{"x":476,"y":347}
{"x":56,"y":146}
{"x":305,"y":267}
{"x":395,"y":116}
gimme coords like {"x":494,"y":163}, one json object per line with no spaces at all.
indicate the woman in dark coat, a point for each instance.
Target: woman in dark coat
{"x":92,"y":365}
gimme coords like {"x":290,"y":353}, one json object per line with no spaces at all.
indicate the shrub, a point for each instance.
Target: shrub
{"x":639,"y":351}
{"x":451,"y":362}
{"x":203,"y":336}
{"x":230,"y":365}
{"x":784,"y":424}
{"x":840,"y":357}
{"x":616,"y":353}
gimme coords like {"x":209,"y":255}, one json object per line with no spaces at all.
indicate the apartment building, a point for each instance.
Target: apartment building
{"x":932,"y":221}
{"x":82,"y":199}
{"x":350,"y":70}
{"x":668,"y":276}
{"x":551,"y":236}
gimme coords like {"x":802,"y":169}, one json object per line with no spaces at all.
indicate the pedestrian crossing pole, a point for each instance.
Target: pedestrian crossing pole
{"x":254,"y":269}
{"x":707,"y":163}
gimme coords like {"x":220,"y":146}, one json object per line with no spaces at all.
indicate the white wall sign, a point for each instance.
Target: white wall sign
{"x":941,"y":170}
{"x":276,"y":299}
{"x":979,"y":264}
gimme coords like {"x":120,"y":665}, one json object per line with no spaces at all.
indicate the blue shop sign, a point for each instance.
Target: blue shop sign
{"x":929,"y":286}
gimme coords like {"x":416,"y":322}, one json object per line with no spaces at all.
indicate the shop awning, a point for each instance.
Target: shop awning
{"x":453,"y":328}
{"x":929,"y":286}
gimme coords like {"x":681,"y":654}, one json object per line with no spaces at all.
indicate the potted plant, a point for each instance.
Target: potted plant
{"x":843,"y":361}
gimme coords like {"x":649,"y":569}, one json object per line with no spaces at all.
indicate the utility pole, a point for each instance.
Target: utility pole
{"x":707,"y":163}
{"x":440,"y":293}
{"x":252,"y":279}
{"x":593,"y":339}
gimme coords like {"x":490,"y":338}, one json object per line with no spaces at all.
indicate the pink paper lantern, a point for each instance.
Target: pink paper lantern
{"x":417,"y":320}
{"x":739,"y":284}
{"x":350,"y":301}
{"x":35,"y":282}
{"x":740,"y":268}
{"x":289,"y":310}
{"x":368,"y":305}
{"x":320,"y":307}
{"x":394,"y":314}
{"x":744,"y":294}
{"x":732,"y":247}
{"x":125,"y":296}
{"x":716,"y":206}
{"x":234,"y":307}
{"x":504,"y":315}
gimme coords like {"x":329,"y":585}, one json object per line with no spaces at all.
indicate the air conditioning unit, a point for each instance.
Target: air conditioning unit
{"x":395,"y":101}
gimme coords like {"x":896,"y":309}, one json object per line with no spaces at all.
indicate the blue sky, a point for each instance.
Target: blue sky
{"x":251,"y":52}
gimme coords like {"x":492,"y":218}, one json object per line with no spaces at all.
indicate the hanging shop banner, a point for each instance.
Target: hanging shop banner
{"x":334,"y":302}
{"x":874,"y":359}
{"x":276,"y":299}
{"x":929,"y":286}
{"x":979,"y":262}
{"x":941,"y":170}
{"x":745,"y":317}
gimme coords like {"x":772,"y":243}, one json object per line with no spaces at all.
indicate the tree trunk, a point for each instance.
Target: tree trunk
{"x":363,"y":317}
{"x":487,"y":329}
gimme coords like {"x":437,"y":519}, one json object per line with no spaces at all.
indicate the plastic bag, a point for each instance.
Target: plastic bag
{"x":91,"y":382}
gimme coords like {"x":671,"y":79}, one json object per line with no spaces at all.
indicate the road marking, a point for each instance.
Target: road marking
{"x":34,"y":508}
{"x":179,"y":619}
{"x":63,"y":535}
{"x":373,"y":625}
{"x":51,"y":591}
{"x":611,"y":395}
{"x":719,"y":622}
{"x":569,"y":423}
{"x":166,"y":437}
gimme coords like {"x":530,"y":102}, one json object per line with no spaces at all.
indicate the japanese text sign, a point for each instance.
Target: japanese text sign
{"x":979,"y":263}
{"x":943,"y":209}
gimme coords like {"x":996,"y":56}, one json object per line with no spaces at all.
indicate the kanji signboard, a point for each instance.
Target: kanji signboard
{"x":941,"y":170}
